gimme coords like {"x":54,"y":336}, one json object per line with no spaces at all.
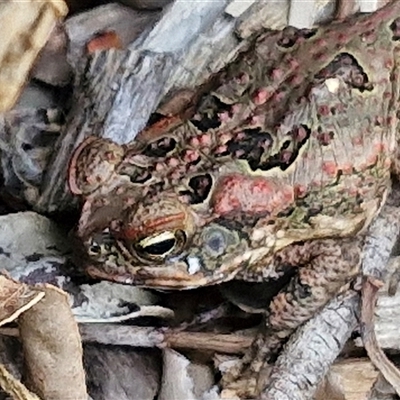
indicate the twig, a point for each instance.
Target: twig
{"x":312,"y":349}
{"x":380,"y":241}
{"x":137,"y":336}
{"x":386,"y":367}
{"x":14,"y":387}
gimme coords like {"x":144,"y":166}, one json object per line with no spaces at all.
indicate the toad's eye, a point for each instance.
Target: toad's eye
{"x":161,"y":244}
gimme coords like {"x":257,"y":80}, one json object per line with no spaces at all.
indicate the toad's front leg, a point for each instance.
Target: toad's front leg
{"x":324,"y":268}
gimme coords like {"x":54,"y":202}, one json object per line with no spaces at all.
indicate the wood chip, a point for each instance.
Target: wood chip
{"x":24,"y":28}
{"x":52,"y":348}
{"x":237,"y":7}
{"x":302,"y":14}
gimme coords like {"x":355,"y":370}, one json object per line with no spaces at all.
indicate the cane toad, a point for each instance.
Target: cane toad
{"x":283,"y":161}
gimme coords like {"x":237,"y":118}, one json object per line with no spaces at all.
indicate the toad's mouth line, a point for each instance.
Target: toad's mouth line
{"x":163,"y":278}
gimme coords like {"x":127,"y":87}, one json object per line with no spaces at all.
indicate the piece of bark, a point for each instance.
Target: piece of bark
{"x":354,"y":377}
{"x":24,"y":29}
{"x":381,"y":239}
{"x":52,"y":348}
{"x":146,"y":4}
{"x":379,"y":245}
{"x":121,"y":373}
{"x":51,"y":66}
{"x":193,"y":379}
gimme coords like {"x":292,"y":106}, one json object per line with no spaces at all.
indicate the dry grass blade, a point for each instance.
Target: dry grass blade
{"x":14,"y":387}
{"x":382,"y":363}
{"x":15,"y":298}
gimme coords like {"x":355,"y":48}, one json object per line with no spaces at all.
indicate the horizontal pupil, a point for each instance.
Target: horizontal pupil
{"x":160,"y":248}
{"x":95,"y":248}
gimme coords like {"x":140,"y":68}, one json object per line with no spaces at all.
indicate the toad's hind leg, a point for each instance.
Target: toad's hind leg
{"x":324,"y":268}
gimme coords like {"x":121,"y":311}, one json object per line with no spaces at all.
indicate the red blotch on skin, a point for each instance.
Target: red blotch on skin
{"x":159,"y":167}
{"x":388,"y":163}
{"x":224,"y":138}
{"x":390,"y":120}
{"x":339,"y":108}
{"x":194,"y":142}
{"x":205,"y":140}
{"x":285,"y":156}
{"x":261,"y":96}
{"x":224,"y":116}
{"x":323,"y":110}
{"x":243,"y":78}
{"x":320,"y":43}
{"x":293,"y":63}
{"x":320,"y":56}
{"x":380,"y":147}
{"x":372,"y":159}
{"x":172,"y":162}
{"x":299,"y":191}
{"x":353,"y":191}
{"x":388,"y":63}
{"x":357,"y":141}
{"x":251,"y":195}
{"x":330,"y":167}
{"x":278,"y":96}
{"x":191,"y":155}
{"x":235,"y":108}
{"x":296,"y":80}
{"x":256,"y":120}
{"x":299,"y":133}
{"x":347,"y":168}
{"x":342,"y":38}
{"x":277,"y":73}
{"x":324,"y":138}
